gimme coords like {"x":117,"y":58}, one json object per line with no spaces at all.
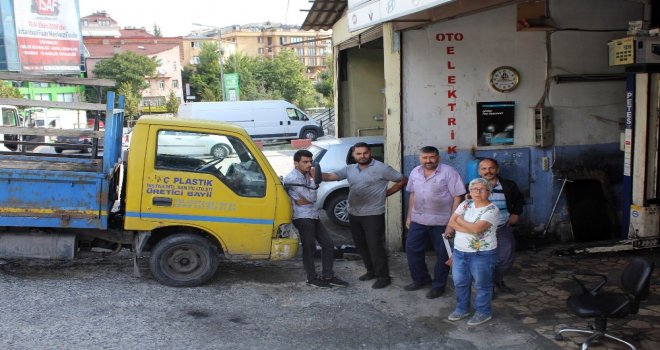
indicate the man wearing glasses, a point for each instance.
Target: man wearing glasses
{"x":435,"y":192}
{"x":508,"y":199}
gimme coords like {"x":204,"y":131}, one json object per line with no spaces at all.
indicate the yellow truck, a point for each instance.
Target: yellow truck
{"x":171,"y":195}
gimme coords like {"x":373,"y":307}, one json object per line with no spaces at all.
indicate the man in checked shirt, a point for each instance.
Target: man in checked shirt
{"x":306,"y":219}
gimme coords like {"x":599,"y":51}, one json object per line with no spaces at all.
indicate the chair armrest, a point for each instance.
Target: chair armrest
{"x":592,"y":291}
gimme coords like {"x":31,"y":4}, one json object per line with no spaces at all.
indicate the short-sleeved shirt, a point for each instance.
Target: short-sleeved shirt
{"x":368,"y":187}
{"x":434,"y":195}
{"x":305,"y":211}
{"x":487,"y":240}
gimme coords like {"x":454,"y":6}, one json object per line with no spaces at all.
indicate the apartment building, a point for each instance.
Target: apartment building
{"x":268,"y":39}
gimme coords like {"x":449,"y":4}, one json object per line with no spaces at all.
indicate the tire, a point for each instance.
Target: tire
{"x":229,"y":149}
{"x":183,"y":260}
{"x":310,"y":134}
{"x":337,"y":209}
{"x":58,"y":150}
{"x":219,"y":151}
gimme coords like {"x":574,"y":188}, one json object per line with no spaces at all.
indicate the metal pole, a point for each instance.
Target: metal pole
{"x":222,"y":69}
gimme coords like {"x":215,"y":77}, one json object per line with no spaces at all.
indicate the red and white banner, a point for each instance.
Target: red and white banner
{"x":48,"y":35}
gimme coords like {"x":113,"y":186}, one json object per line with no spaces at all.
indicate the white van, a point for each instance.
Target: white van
{"x":261,"y":119}
{"x":10,"y":117}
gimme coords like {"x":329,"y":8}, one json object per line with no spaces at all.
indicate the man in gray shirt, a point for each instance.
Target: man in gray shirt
{"x":301,"y":189}
{"x":368,"y":181}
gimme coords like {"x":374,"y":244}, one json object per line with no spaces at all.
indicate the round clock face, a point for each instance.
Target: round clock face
{"x":504,"y":79}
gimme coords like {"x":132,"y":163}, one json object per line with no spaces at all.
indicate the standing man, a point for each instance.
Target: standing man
{"x":306,"y":220}
{"x":435,"y":193}
{"x":368,"y":180}
{"x":508,"y":199}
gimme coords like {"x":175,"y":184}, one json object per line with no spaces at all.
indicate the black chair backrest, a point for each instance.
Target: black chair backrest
{"x":635,"y":279}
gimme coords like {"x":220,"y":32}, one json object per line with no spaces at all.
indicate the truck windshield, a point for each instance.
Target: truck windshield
{"x":224,"y":157}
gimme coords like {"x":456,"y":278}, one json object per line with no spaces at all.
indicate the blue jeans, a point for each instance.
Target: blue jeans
{"x":506,"y":247}
{"x":416,"y":241}
{"x":479,"y":267}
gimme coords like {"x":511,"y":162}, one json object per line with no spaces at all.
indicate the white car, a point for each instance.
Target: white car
{"x":188,"y":143}
{"x":332,"y":155}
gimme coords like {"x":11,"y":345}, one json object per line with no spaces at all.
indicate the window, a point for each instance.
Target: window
{"x":175,"y":84}
{"x":260,"y":40}
{"x":223,"y":157}
{"x":312,"y":51}
{"x":296,"y":39}
{"x":300,"y":51}
{"x":195,"y":44}
{"x":65,"y":97}
{"x":43,"y":85}
{"x":291,"y":113}
{"x":269,"y":40}
{"x":194,"y":60}
{"x":282,"y":40}
{"x":311,"y":61}
{"x":161,"y":84}
{"x":9,"y":117}
{"x":260,"y":51}
{"x":42,"y":97}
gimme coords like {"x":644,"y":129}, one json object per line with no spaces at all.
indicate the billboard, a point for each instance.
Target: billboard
{"x":48,"y":35}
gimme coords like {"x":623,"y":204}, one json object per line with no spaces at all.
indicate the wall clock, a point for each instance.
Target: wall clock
{"x":504,"y":79}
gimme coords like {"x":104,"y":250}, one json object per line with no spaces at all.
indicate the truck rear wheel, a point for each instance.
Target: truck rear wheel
{"x":183,"y":260}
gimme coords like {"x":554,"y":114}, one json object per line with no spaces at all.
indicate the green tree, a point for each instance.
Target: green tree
{"x":325,"y":82}
{"x":285,"y":75}
{"x":128,"y":67}
{"x":246,"y":67}
{"x":172,"y":103}
{"x":8,"y":91}
{"x":156,"y":30}
{"x":131,"y":102}
{"x":206,"y":78}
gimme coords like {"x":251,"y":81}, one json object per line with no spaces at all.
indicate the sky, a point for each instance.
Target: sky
{"x":176,"y":18}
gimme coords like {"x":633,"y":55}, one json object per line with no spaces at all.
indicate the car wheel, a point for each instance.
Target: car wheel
{"x":58,"y":150}
{"x":218,"y":151}
{"x":183,"y":260}
{"x":337,"y":209}
{"x":229,"y":149}
{"x":310,"y":134}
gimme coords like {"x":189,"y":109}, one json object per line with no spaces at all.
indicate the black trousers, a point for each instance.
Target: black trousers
{"x":369,"y":238}
{"x":312,"y":231}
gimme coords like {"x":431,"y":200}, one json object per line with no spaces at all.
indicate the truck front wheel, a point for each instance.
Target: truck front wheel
{"x":183,"y":260}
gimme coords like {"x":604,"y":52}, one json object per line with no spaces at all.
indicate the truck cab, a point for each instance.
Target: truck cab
{"x":10,"y":117}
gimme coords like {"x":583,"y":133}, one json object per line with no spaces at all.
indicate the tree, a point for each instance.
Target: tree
{"x":128,"y":67}
{"x":325,"y":83}
{"x":206,"y":78}
{"x":8,"y":91}
{"x":285,"y":75}
{"x":172,"y":103}
{"x":131,"y":102}
{"x":156,"y":30}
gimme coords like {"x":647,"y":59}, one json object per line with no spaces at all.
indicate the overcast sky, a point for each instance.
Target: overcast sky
{"x":175,"y":18}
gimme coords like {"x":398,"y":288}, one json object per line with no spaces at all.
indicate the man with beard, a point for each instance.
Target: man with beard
{"x":508,"y":199}
{"x":368,"y":180}
{"x":435,"y":193}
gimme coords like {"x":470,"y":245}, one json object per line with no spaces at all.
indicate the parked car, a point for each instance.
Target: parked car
{"x":332,"y":155}
{"x":189,"y":143}
{"x":80,"y":143}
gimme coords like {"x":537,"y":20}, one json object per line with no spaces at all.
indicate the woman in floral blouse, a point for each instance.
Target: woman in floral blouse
{"x":475,"y":255}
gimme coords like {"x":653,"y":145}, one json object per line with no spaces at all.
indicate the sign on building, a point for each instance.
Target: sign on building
{"x":48,"y":35}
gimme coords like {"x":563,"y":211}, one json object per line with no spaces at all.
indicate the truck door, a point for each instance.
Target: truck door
{"x":228,"y":197}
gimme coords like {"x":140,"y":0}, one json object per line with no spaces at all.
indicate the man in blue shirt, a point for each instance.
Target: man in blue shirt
{"x":302,"y":191}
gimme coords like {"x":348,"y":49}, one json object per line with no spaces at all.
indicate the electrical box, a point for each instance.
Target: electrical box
{"x":543,"y":126}
{"x":644,"y":221}
{"x":637,"y":49}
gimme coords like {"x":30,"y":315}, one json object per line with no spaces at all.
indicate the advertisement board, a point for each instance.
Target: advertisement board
{"x":495,"y":123}
{"x":48,"y":35}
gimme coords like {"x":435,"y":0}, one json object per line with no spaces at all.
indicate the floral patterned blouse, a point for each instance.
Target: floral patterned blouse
{"x":487,"y":240}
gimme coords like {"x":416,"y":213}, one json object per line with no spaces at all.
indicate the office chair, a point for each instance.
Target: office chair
{"x":601,"y":305}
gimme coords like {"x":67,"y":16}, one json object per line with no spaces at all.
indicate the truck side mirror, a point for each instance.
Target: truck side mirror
{"x":318,"y":175}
